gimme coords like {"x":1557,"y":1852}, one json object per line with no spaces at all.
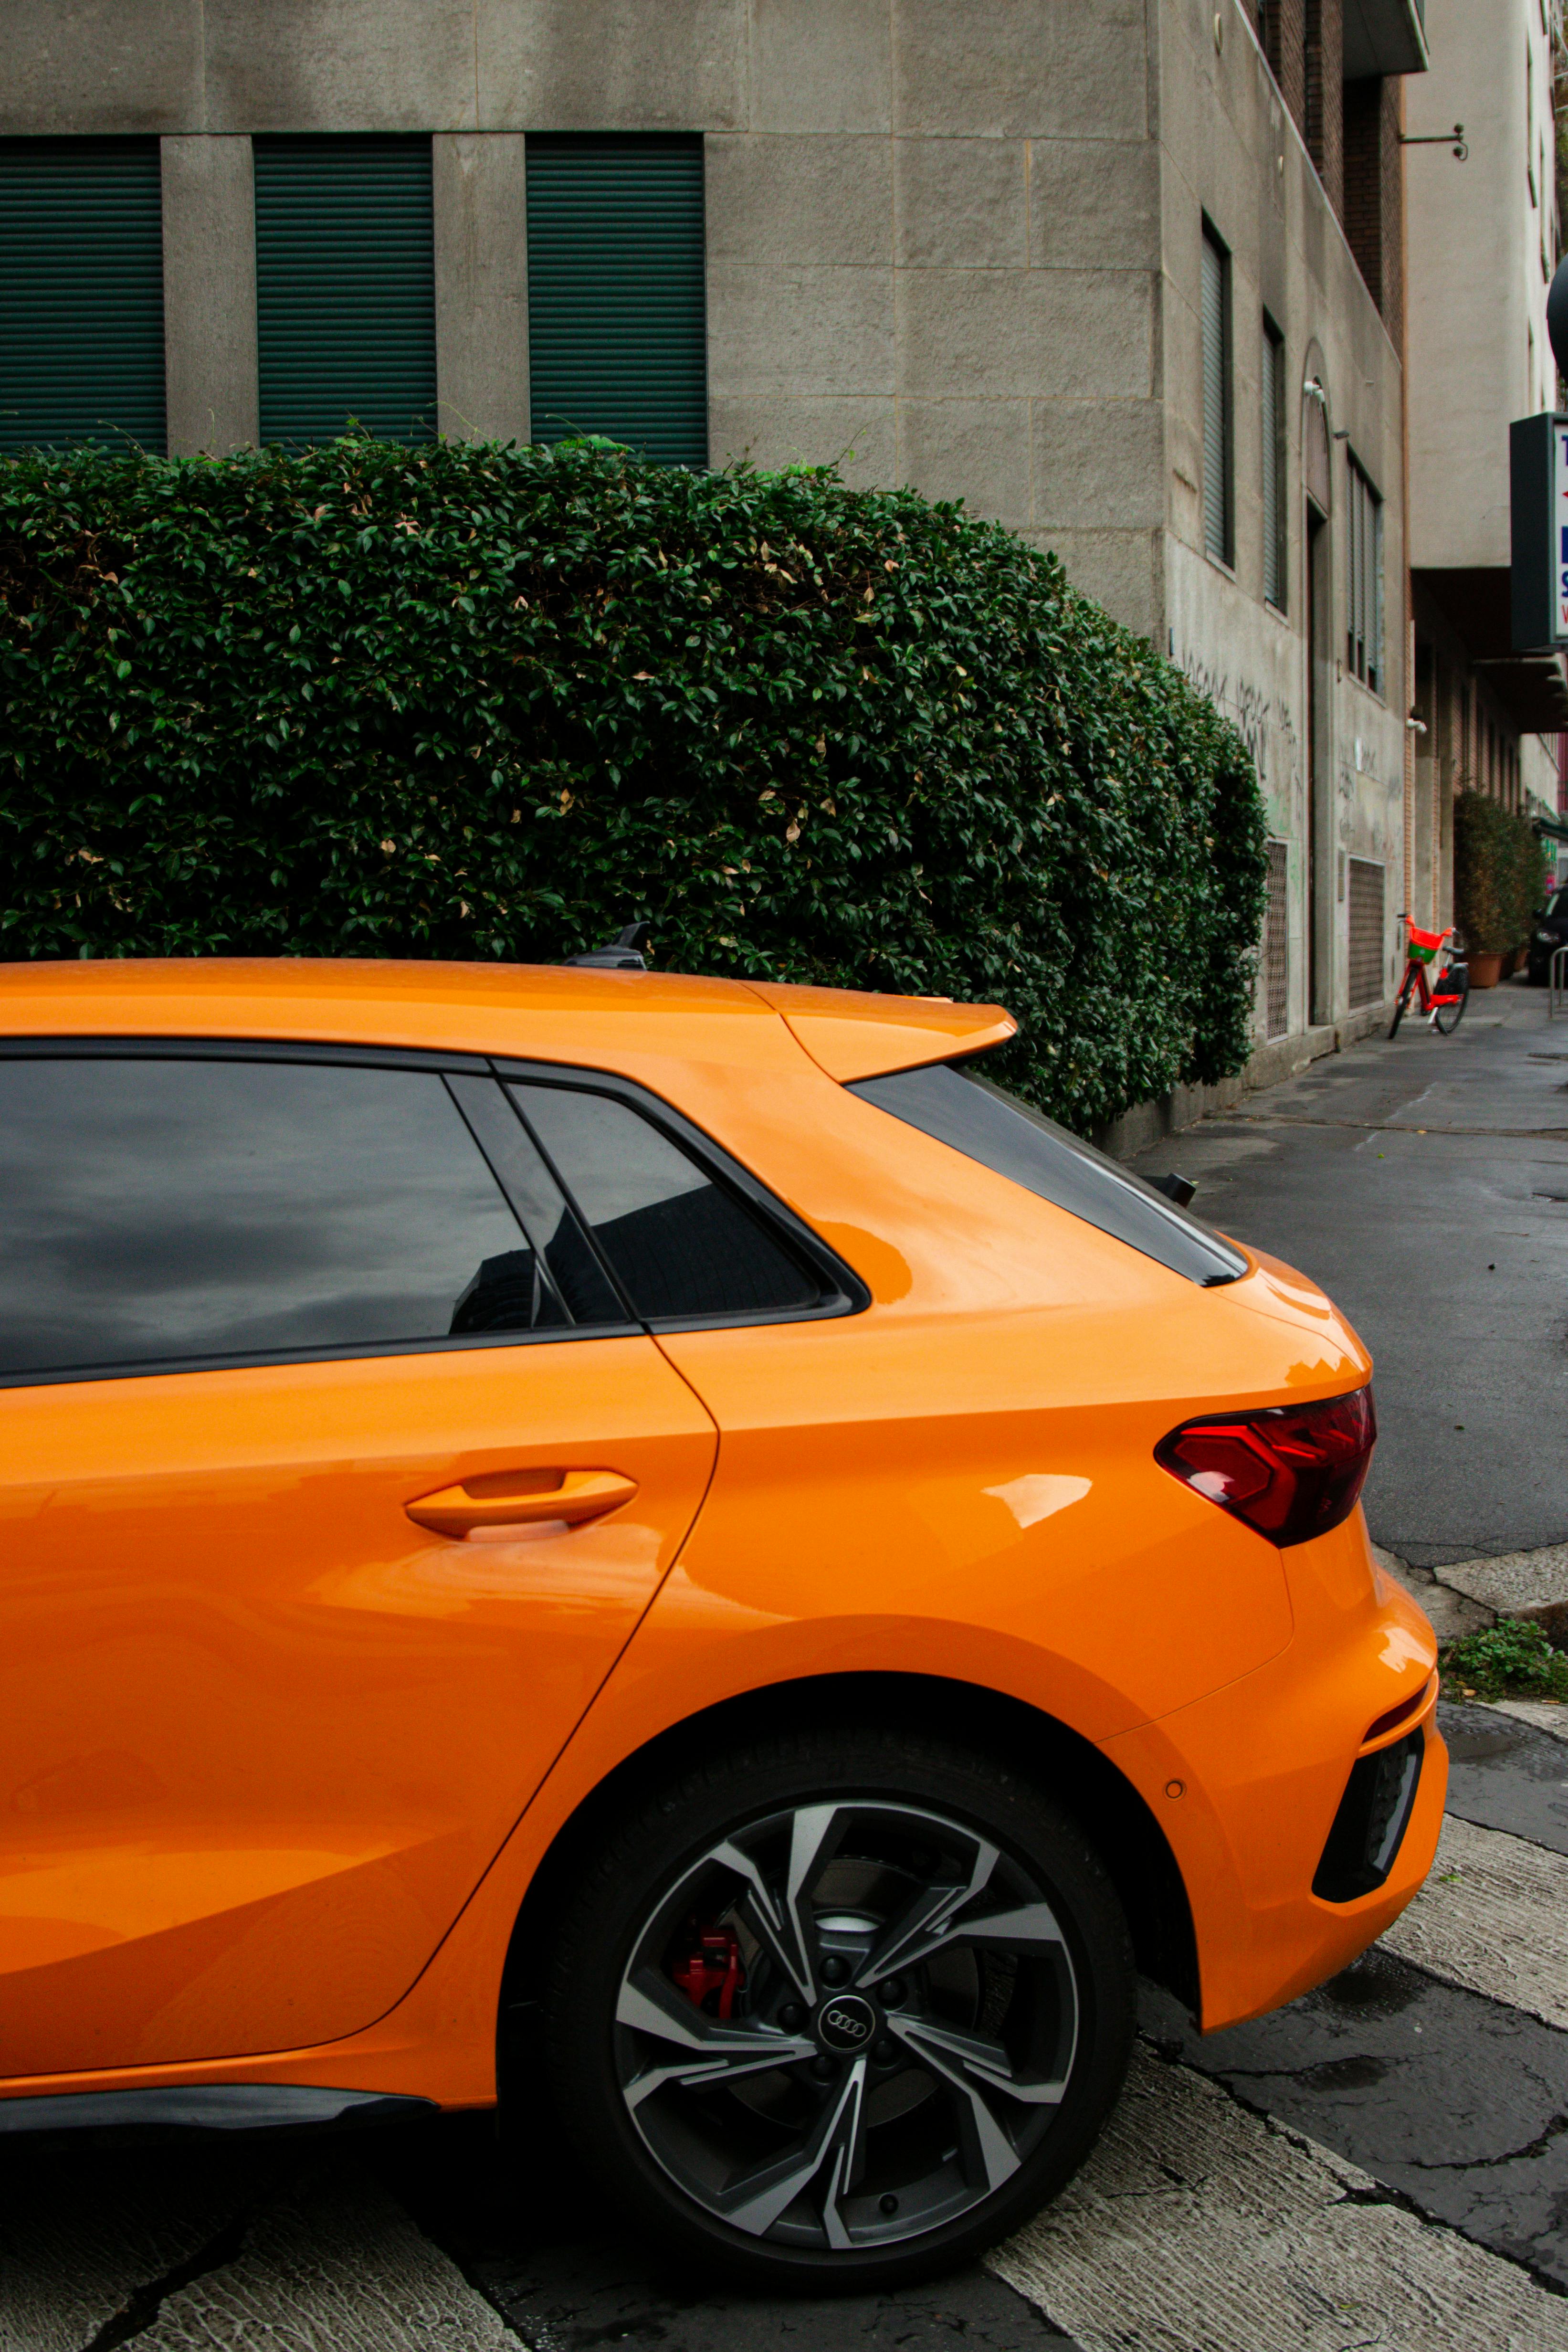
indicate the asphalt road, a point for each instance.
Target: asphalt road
{"x":1383,"y":2164}
{"x":1424,"y":1183}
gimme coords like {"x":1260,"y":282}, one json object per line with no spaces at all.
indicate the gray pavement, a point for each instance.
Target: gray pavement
{"x":1424,"y":1183}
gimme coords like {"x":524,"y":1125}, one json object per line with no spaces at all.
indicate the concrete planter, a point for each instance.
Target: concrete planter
{"x":1486,"y":971}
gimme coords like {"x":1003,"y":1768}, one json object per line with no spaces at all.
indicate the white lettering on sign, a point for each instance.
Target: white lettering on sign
{"x":1560,"y":527}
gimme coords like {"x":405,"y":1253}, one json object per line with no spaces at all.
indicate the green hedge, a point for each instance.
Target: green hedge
{"x":486,"y":702}
{"x":1500,"y":874}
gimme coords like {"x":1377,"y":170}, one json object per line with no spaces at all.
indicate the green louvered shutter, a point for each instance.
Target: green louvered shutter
{"x":81,"y":293}
{"x":345,"y":286}
{"x":617,"y":308}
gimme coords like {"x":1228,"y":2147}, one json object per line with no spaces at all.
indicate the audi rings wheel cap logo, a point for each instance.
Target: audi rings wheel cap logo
{"x":846,"y":2022}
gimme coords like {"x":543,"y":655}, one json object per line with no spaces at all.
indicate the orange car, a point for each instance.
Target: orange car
{"x":657,"y":1543}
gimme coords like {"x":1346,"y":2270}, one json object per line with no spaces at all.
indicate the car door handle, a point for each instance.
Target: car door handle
{"x":577,"y":1494}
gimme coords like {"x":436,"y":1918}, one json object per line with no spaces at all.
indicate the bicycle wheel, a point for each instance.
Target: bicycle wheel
{"x":1402,"y":1000}
{"x":1446,"y":1018}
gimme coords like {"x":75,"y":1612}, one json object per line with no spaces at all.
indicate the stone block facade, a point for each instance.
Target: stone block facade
{"x":956,"y":248}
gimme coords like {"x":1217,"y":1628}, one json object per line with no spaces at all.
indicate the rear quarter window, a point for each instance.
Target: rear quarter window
{"x":955,"y":1106}
{"x":678,"y":1243}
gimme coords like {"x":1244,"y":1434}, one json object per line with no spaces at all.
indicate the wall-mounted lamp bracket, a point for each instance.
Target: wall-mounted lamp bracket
{"x":1455,"y":136}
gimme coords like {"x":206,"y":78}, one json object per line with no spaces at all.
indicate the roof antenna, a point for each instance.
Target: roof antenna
{"x":622,"y":954}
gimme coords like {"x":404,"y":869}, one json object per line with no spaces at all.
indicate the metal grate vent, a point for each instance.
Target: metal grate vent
{"x":1366,"y":982}
{"x":1276,"y":943}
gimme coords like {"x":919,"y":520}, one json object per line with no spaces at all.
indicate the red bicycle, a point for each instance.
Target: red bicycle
{"x":1446,"y":994}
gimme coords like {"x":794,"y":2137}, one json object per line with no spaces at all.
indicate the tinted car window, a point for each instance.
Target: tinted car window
{"x":677,"y":1242}
{"x":1006,"y":1135}
{"x":156,"y":1210}
{"x":568,"y":1280}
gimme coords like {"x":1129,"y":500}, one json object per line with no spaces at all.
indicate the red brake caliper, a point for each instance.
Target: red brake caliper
{"x":712,"y":1964}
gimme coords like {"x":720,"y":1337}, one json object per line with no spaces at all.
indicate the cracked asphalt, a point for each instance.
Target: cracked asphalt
{"x":1383,"y":2164}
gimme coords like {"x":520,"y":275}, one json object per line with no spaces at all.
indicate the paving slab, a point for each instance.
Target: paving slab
{"x":1450,"y":1614}
{"x":1546,"y":1713}
{"x":1446,"y":2097}
{"x":291,"y":2243}
{"x":1517,"y":1583}
{"x":87,"y":2235}
{"x":532,"y":2233}
{"x":1493,"y":1916}
{"x":334,"y":2265}
{"x":1197,"y":2223}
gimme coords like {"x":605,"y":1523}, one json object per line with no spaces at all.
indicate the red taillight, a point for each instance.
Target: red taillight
{"x":1291,"y":1471}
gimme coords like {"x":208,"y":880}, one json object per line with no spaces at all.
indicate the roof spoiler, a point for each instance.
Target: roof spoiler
{"x":850,"y":1035}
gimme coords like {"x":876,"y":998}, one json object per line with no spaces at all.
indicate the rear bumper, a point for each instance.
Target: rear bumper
{"x":1247,"y":1784}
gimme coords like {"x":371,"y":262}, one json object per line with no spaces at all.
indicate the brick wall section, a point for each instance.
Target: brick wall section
{"x":1373,"y":194}
{"x":1282,"y":29}
{"x":1324,"y":123}
{"x":1391,"y":177}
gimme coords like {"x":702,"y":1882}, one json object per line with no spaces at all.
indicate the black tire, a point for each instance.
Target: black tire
{"x":1448,"y":1017}
{"x":1402,"y":1000}
{"x":877,"y":2102}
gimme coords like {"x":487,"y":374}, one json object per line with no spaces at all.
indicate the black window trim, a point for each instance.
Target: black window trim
{"x":969,"y":1065}
{"x":843,"y":1292}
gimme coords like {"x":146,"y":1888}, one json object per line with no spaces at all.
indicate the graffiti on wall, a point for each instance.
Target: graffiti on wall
{"x":1263,"y":718}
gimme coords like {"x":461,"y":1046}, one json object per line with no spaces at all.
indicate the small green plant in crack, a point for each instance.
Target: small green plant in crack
{"x":1513,"y":1659}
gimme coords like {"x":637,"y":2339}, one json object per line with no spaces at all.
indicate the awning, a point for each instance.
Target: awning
{"x":1531,"y":688}
{"x":1384,"y":36}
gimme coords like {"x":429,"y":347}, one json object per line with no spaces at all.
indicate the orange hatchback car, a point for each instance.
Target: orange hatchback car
{"x":660,"y":1549}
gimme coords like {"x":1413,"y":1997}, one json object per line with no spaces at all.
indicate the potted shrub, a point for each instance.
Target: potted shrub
{"x":1497,"y":883}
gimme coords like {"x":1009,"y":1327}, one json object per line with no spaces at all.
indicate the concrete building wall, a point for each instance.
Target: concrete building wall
{"x":942,"y":269}
{"x":209,"y":294}
{"x":479,"y":199}
{"x":1231,"y":153}
{"x":952,"y":246}
{"x":1483,"y":244}
{"x":934,"y":237}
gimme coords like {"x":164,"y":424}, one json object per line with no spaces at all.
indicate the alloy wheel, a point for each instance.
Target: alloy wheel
{"x":846,"y":2023}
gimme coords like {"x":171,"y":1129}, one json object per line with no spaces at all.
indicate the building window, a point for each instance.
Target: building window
{"x":617,"y":303}
{"x":1218,"y":473}
{"x":81,"y":293}
{"x":1529,"y":136}
{"x":1364,"y":623}
{"x":1273,"y":463}
{"x":345,"y":286}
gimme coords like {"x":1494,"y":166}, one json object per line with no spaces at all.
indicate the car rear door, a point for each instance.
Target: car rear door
{"x":336,"y":1475}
